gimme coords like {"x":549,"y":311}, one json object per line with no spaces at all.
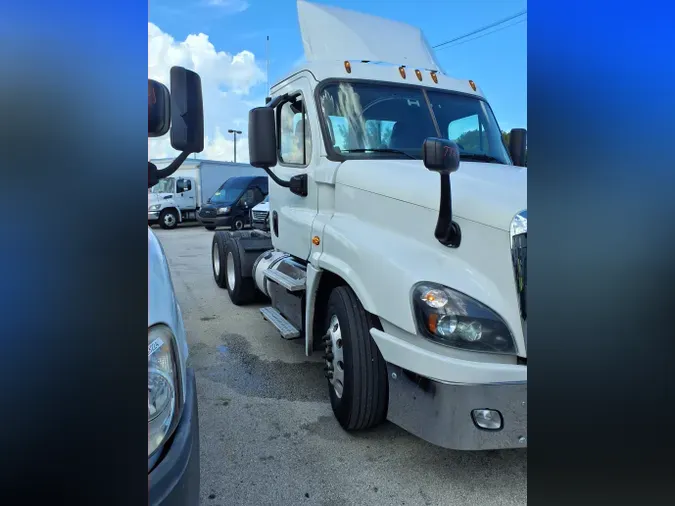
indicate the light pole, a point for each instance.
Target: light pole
{"x":235,"y":132}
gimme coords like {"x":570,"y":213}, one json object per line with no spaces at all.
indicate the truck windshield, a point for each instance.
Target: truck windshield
{"x":165,"y":185}
{"x":229,"y":191}
{"x":378,"y":120}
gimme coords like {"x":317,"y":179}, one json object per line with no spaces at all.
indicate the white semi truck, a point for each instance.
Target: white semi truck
{"x":398,"y":234}
{"x":179,"y":197}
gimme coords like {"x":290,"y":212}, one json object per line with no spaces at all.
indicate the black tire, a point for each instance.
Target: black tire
{"x":218,"y":259}
{"x":241,"y":288}
{"x":168,"y":219}
{"x":238,"y":224}
{"x":364,"y":399}
{"x":210,"y":227}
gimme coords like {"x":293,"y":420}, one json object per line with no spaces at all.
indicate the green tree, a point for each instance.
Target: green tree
{"x":470,"y":141}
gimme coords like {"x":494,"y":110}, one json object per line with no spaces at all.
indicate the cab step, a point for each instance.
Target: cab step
{"x":285,"y":281}
{"x":285,"y":328}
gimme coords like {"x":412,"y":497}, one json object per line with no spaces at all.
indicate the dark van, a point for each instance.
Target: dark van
{"x":231,"y":204}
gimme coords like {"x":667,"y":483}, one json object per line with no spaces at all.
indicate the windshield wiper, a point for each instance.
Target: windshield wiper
{"x":481,"y":157}
{"x":382,"y":150}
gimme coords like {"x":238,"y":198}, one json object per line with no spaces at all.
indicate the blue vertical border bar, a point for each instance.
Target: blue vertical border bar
{"x":601,"y":197}
{"x":73,"y":252}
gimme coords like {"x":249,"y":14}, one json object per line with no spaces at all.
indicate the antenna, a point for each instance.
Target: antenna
{"x":267,"y":57}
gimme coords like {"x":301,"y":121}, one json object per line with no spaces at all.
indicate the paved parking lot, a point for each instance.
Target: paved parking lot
{"x":268,"y":436}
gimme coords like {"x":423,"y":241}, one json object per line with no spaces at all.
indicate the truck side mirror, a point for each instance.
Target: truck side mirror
{"x":159,"y":109}
{"x":442,"y":156}
{"x":262,"y":138}
{"x":518,"y":146}
{"x":187,"y":111}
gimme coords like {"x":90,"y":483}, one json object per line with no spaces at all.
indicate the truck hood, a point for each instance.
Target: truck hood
{"x":156,"y":198}
{"x":263,"y":206}
{"x":487,"y":193}
{"x":216,"y":205}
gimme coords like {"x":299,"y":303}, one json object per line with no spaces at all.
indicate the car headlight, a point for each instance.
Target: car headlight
{"x":223,"y":210}
{"x":163,"y":387}
{"x":154,"y":207}
{"x":451,"y":318}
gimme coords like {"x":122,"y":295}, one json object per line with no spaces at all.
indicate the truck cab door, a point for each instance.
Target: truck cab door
{"x":185,"y":196}
{"x":298,"y":141}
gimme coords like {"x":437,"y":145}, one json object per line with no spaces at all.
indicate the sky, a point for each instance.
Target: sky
{"x":225,"y":42}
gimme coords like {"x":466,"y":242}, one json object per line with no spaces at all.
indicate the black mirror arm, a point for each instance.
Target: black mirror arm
{"x":173,"y":166}
{"x":276,"y":101}
{"x":297,"y":184}
{"x":275,"y":178}
{"x":447,"y":231}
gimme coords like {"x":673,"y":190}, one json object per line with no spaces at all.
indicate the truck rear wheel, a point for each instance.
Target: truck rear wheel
{"x":218,"y":257}
{"x":168,"y":219}
{"x":356,"y":371}
{"x":240,"y":286}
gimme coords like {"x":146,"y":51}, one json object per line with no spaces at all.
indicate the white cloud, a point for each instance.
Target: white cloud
{"x":231,"y":6}
{"x":227,"y":81}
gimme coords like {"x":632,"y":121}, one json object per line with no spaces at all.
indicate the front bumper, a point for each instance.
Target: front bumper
{"x":153,"y":216}
{"x":174,"y":481}
{"x":440,"y":413}
{"x":216,"y":221}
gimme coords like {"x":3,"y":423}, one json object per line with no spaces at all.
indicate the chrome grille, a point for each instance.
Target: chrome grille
{"x":519,"y":257}
{"x":519,"y":254}
{"x":259,"y":215}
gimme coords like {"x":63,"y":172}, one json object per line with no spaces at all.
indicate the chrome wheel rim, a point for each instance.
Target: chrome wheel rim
{"x":169,"y":220}
{"x":215,"y":255}
{"x":334,"y":357}
{"x":230,"y":271}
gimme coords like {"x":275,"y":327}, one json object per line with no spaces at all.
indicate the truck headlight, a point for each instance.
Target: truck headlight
{"x":451,"y":318}
{"x":154,"y":207}
{"x":163,"y":387}
{"x":223,"y":210}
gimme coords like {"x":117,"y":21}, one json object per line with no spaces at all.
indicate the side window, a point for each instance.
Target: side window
{"x":183,"y":185}
{"x":247,"y":197}
{"x":469,"y":134}
{"x":258,"y":196}
{"x":295,"y":140}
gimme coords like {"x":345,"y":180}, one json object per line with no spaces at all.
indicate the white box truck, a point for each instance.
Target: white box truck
{"x":179,"y":198}
{"x":398,"y":234}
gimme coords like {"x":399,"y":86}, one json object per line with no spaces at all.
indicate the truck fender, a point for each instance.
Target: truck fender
{"x":342,"y":269}
{"x":250,"y":246}
{"x":311,"y":288}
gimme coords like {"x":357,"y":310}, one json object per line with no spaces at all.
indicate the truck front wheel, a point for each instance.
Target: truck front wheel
{"x":168,"y":219}
{"x":356,"y":371}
